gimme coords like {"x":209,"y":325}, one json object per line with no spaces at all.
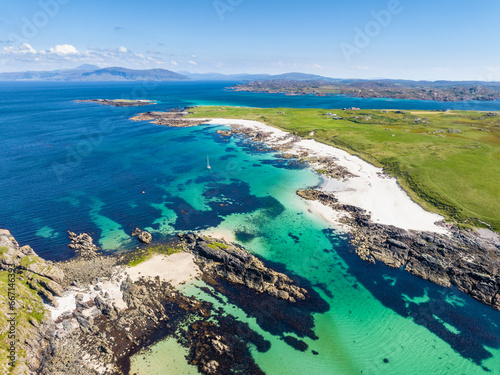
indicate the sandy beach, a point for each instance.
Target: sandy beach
{"x":370,"y":190}
{"x":176,"y":268}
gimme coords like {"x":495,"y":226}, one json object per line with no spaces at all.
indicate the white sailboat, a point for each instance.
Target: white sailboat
{"x":208,"y":163}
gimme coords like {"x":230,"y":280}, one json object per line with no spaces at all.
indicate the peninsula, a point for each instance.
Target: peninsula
{"x":438,"y":91}
{"x":367,"y":201}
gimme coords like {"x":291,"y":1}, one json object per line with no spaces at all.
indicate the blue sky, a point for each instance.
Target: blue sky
{"x":411,"y":39}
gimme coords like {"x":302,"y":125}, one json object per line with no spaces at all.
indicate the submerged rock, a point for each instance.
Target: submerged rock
{"x":225,"y":133}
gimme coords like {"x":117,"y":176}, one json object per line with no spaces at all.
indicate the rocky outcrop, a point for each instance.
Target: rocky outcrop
{"x":83,"y":245}
{"x":100,"y":334}
{"x":224,"y":133}
{"x":233,"y":263}
{"x":142,"y":235}
{"x":328,"y":166}
{"x":99,"y":338}
{"x":462,"y":259}
{"x":42,"y":276}
{"x":31,"y":281}
{"x":172,"y":119}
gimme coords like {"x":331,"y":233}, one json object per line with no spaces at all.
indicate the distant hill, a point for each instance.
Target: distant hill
{"x":94,"y":73}
{"x":257,"y":77}
{"x":123,"y":74}
{"x":87,"y":67}
{"x":293,"y":83}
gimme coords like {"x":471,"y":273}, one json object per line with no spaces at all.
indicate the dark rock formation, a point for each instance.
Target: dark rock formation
{"x":329,"y":167}
{"x":110,"y":336}
{"x":233,"y":263}
{"x":98,"y":337}
{"x":172,"y":119}
{"x":142,"y":235}
{"x":210,"y":346}
{"x":83,"y":245}
{"x":463,"y":259}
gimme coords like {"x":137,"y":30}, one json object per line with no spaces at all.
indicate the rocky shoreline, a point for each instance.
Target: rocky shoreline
{"x":173,"y":119}
{"x":463,"y":258}
{"x":109,"y":317}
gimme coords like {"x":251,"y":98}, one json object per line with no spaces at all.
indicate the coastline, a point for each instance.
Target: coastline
{"x":370,"y":189}
{"x":384,"y":223}
{"x":329,"y":207}
{"x":99,"y":311}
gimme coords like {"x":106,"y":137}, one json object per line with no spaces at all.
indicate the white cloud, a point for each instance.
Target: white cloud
{"x":63,"y":49}
{"x":25,"y":57}
{"x":23,"y":49}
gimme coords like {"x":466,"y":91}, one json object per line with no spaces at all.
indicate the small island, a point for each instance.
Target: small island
{"x":119,"y":102}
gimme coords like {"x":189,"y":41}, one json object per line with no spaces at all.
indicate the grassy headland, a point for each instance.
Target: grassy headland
{"x":448,"y":162}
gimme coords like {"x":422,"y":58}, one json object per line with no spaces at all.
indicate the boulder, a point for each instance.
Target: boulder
{"x":142,"y":235}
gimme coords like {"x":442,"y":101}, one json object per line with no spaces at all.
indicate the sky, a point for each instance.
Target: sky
{"x":403,"y":39}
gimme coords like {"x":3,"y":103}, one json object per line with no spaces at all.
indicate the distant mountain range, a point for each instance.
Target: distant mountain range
{"x":89,"y":72}
{"x":257,"y":77}
{"x":94,"y":73}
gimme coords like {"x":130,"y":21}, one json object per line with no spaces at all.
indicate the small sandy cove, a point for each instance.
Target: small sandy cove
{"x":176,"y":268}
{"x":371,"y":190}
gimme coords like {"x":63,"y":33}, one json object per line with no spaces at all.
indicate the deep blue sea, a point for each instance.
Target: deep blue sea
{"x":87,"y":168}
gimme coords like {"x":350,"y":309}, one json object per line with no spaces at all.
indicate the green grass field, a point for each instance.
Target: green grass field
{"x":447,"y":162}
{"x":141,"y":255}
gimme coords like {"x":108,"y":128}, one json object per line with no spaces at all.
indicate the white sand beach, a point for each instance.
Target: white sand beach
{"x":176,"y":268}
{"x":371,"y":190}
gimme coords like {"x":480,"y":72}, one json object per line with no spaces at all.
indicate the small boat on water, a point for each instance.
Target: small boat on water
{"x":208,"y":163}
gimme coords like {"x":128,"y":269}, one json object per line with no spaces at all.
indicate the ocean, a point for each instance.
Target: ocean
{"x":87,"y":168}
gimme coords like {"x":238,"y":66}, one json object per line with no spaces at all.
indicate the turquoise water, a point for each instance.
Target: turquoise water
{"x":87,"y":168}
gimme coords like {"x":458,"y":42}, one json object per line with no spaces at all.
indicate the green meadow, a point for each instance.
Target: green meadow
{"x":448,"y":162}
